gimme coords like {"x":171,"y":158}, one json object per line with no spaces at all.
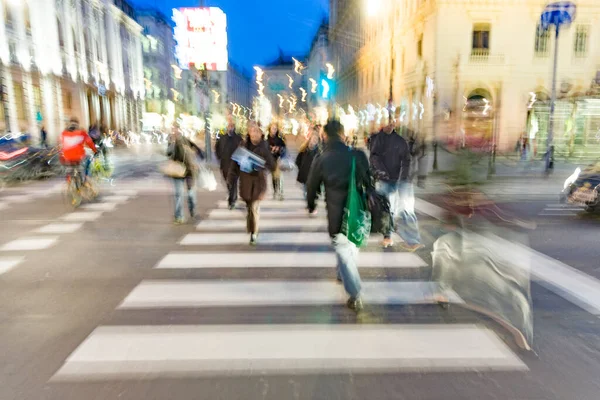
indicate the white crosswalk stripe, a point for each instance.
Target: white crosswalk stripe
{"x":561,"y":210}
{"x":160,"y":349}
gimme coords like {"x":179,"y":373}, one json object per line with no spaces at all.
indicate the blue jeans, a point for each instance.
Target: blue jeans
{"x":402,"y":205}
{"x":191,"y":193}
{"x":346,"y":253}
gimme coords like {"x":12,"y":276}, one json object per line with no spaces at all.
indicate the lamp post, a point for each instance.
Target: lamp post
{"x":557,"y":14}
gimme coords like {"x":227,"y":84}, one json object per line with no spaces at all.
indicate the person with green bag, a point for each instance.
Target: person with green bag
{"x":345,"y":174}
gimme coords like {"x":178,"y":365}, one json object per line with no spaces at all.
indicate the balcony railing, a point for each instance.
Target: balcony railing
{"x":483,"y":56}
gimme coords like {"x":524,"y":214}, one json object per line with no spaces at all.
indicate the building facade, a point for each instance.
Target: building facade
{"x":316,"y":66}
{"x":480,"y":71}
{"x":282,"y":84}
{"x":85,"y":60}
{"x":160,"y":69}
{"x":239,"y":89}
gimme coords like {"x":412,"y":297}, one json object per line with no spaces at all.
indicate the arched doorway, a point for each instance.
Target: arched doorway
{"x":477,"y":124}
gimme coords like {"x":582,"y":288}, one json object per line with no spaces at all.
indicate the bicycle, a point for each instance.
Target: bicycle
{"x":78,"y":187}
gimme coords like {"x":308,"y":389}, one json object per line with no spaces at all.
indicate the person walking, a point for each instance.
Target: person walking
{"x":252,"y":178}
{"x":43,"y":138}
{"x":278,"y":150}
{"x":391,"y":165}
{"x":333,"y":169}
{"x":183,"y":151}
{"x":306,"y":155}
{"x":224,"y":148}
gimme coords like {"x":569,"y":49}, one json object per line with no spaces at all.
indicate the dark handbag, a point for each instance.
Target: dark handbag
{"x":381,"y":215}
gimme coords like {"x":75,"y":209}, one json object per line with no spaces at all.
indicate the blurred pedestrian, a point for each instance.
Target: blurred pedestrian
{"x":333,"y":169}
{"x":391,"y":165}
{"x":306,"y":155}
{"x":253,"y":179}
{"x":278,"y":150}
{"x":224,"y":148}
{"x":183,"y":151}
{"x":43,"y":137}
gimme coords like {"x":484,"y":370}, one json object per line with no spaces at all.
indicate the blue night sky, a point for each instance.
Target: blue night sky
{"x":257,"y":28}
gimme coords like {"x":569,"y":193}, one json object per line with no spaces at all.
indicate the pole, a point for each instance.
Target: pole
{"x":550,"y":140}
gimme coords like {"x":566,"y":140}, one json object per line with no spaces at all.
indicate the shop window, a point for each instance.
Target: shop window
{"x":542,"y":38}
{"x":580,"y":47}
{"x":481,"y":39}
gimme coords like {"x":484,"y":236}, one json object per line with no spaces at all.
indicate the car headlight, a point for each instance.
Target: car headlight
{"x":571,"y":179}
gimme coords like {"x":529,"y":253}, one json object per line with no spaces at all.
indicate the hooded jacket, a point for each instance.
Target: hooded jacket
{"x":73,"y":141}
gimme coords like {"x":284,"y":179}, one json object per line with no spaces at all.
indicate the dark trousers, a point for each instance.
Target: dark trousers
{"x":232,"y":189}
{"x":252,"y":217}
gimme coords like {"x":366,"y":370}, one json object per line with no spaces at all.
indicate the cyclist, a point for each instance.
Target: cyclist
{"x":73,"y":141}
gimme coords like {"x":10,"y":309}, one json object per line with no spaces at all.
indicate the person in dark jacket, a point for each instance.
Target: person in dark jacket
{"x":224,"y":148}
{"x":44,"y":138}
{"x":332,"y":168}
{"x":391,"y":165}
{"x":308,"y":151}
{"x":183,"y":150}
{"x":278,"y":150}
{"x":253,"y":185}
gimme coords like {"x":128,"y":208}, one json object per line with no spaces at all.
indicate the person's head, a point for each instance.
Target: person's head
{"x":313,"y":140}
{"x":73,"y":123}
{"x":334,"y":130}
{"x":254,"y":133}
{"x":389,"y":128}
{"x":273,"y":129}
{"x":230,"y":124}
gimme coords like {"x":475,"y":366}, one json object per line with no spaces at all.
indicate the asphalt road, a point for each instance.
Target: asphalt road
{"x":112,"y":301}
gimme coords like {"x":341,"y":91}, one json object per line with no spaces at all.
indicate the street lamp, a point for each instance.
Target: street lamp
{"x":557,"y":14}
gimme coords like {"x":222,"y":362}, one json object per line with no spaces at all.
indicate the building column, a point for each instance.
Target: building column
{"x":107,"y":115}
{"x":31,"y":117}
{"x":48,"y":94}
{"x":85,"y":111}
{"x":61,"y":105}
{"x":12,"y":118}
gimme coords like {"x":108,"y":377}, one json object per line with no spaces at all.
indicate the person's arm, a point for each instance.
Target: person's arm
{"x":363,"y":172}
{"x":299,"y":159}
{"x":89,"y":142}
{"x":198,"y":150}
{"x":282,"y":148}
{"x":404,"y":161}
{"x":233,"y":173}
{"x":218,"y":150}
{"x":377,"y":157}
{"x":270,"y":163}
{"x":313,"y":184}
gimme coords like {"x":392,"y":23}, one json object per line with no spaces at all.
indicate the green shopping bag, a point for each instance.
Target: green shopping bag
{"x":356,"y":224}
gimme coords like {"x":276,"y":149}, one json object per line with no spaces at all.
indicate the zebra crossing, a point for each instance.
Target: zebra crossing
{"x":561,"y":210}
{"x":195,"y":316}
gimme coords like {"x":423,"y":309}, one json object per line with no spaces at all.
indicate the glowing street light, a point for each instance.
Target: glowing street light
{"x":314,"y":85}
{"x":373,"y":7}
{"x":330,"y":70}
{"x":298,"y":67}
{"x":291,"y":81}
{"x":303,"y":95}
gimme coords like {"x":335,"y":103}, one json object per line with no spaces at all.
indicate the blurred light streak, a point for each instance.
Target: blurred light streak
{"x":303,"y":95}
{"x":291,"y":81}
{"x":330,"y":70}
{"x":325,"y":88}
{"x":280,"y":100}
{"x":217,"y":95}
{"x":298,"y":67}
{"x":313,"y":88}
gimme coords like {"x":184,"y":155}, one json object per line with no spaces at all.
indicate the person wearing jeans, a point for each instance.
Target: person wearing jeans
{"x":332,"y":169}
{"x":184,"y":151}
{"x":391,"y":163}
{"x":180,"y":187}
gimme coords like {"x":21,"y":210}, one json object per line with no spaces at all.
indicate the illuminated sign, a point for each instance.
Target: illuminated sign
{"x":201,"y":35}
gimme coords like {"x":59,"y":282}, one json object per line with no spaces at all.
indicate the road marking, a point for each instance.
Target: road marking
{"x":283,"y":223}
{"x":8,"y":263}
{"x":82,"y":216}
{"x":30,"y":243}
{"x":21,"y":198}
{"x":115,"y":199}
{"x":60,"y":228}
{"x":147,"y":352}
{"x":273,"y":213}
{"x":557,"y":214}
{"x":186,"y":294}
{"x":291,"y":238}
{"x":286,"y":260}
{"x":124,"y":192}
{"x":289,"y":204}
{"x":100,"y":206}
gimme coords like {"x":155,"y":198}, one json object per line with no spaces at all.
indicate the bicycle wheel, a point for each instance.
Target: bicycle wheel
{"x":72,"y":192}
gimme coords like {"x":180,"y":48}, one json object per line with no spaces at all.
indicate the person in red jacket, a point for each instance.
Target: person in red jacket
{"x":73,"y":141}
